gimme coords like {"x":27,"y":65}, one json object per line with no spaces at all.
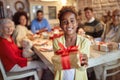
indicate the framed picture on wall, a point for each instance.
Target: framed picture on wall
{"x":52,"y":12}
{"x":19,"y":5}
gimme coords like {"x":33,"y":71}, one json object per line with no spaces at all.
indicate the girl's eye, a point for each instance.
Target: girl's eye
{"x":72,"y":21}
{"x":64,"y":22}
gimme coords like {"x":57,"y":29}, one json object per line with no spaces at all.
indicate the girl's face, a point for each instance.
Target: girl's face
{"x":8,"y":29}
{"x":23,"y":20}
{"x":69,"y":23}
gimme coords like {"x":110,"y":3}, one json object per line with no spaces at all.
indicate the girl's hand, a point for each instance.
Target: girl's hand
{"x":84,"y":60}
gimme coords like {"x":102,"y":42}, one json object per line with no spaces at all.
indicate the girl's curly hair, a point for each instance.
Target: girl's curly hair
{"x":66,"y":9}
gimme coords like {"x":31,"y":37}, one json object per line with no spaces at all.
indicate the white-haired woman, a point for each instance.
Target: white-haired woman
{"x":10,"y":55}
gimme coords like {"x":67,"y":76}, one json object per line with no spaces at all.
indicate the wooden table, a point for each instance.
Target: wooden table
{"x":96,"y":57}
{"x":45,"y":57}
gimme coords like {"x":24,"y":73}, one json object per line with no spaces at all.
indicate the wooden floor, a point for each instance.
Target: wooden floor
{"x":47,"y":75}
{"x":1,"y":76}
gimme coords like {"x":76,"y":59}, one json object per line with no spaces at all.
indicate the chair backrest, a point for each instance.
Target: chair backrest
{"x":113,"y":73}
{"x":2,"y":70}
{"x":17,"y":75}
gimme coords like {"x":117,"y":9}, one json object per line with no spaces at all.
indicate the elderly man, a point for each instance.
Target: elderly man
{"x":112,"y":36}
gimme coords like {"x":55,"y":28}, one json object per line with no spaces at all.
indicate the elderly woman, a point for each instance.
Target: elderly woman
{"x":68,"y":22}
{"x":112,"y":36}
{"x":10,"y":55}
{"x":21,"y":30}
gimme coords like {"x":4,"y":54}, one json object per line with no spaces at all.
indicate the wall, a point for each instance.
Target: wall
{"x":45,"y":10}
{"x":100,"y":7}
{"x":58,"y":4}
{"x":28,"y":8}
{"x":12,"y":9}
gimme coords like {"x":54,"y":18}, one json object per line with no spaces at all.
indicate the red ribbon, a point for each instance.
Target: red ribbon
{"x":55,"y":36}
{"x":100,"y":43}
{"x":64,"y":52}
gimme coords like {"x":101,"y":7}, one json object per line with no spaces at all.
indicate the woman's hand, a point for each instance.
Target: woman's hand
{"x":84,"y":60}
{"x":112,"y":45}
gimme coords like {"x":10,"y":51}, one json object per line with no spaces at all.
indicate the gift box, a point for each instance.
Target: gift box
{"x":101,"y":46}
{"x":67,"y":58}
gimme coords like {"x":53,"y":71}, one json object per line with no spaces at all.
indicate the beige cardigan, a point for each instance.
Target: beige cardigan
{"x":20,"y":33}
{"x":108,"y":27}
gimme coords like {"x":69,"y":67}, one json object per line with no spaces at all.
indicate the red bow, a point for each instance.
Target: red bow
{"x":64,"y":52}
{"x":55,"y":36}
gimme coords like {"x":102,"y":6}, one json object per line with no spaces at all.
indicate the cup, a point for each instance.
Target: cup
{"x":45,"y":35}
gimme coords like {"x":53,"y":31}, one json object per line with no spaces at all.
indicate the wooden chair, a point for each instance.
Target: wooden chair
{"x":17,"y":75}
{"x":106,"y":68}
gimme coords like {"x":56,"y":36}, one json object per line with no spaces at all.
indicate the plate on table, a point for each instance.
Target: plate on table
{"x":46,"y":48}
{"x":40,"y":42}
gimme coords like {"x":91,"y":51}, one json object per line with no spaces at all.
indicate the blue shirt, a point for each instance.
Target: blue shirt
{"x":36,"y":25}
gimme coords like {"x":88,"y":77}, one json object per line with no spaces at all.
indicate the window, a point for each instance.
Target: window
{"x":35,"y":8}
{"x":52,"y":12}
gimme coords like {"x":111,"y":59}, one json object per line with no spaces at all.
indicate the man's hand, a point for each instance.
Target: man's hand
{"x":112,"y":45}
{"x":43,"y":30}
